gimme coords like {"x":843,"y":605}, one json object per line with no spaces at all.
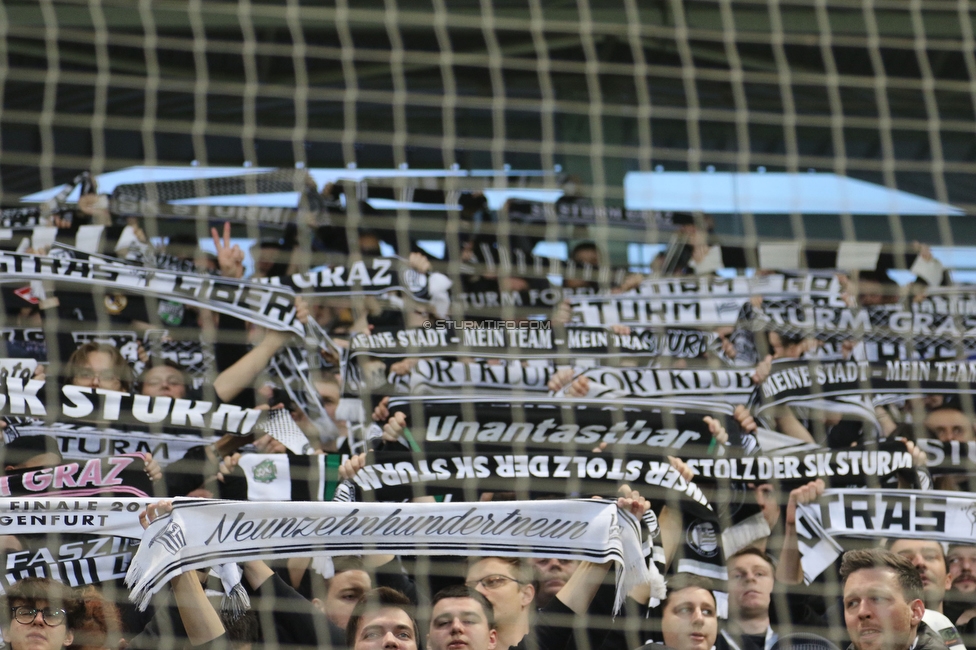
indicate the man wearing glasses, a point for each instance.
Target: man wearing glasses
{"x":39,"y":614}
{"x":507,"y":584}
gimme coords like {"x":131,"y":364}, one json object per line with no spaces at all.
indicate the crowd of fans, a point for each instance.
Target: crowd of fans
{"x":908,"y":594}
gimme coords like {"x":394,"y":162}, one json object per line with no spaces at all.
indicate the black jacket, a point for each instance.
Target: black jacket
{"x":928,"y":639}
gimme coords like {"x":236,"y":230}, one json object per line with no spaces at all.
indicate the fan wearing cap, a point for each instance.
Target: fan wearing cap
{"x":39,"y":614}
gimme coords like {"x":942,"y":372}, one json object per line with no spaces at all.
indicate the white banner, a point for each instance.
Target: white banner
{"x":199,"y":534}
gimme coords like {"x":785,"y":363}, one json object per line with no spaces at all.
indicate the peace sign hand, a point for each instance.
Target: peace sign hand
{"x":230,"y":259}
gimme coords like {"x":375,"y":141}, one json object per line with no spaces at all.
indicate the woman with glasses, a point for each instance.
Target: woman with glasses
{"x":39,"y":614}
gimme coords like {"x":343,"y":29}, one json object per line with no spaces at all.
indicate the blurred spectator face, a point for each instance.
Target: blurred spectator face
{"x":587,"y":257}
{"x":750,"y":585}
{"x":98,"y":371}
{"x":386,"y":628}
{"x":459,"y":624}
{"x":345,"y":590}
{"x":931,"y":402}
{"x":163,"y":381}
{"x":497,"y":581}
{"x":962,"y":569}
{"x":329,"y":394}
{"x":551,"y":574}
{"x":323,"y":314}
{"x":583,"y":256}
{"x":369,"y":244}
{"x":783,"y":349}
{"x":948,"y":424}
{"x":36,"y":635}
{"x":871,"y":292}
{"x":689,"y":621}
{"x":268,"y":259}
{"x":767,"y":500}
{"x":928,"y":558}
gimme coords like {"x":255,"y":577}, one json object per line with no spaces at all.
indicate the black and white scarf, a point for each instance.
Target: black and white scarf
{"x":563,"y":423}
{"x":79,"y":442}
{"x":200,"y":534}
{"x":265,"y":305}
{"x":83,"y":404}
{"x":873,"y":514}
{"x":533,"y":339}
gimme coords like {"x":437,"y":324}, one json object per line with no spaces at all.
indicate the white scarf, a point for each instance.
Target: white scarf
{"x":904,"y":514}
{"x":200,"y":534}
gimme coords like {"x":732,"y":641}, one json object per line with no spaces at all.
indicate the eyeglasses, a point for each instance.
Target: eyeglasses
{"x":51,"y":617}
{"x":492,"y":582}
{"x":89,"y":374}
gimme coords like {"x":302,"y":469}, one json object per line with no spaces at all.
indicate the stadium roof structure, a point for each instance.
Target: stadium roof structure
{"x":772,"y":193}
{"x":108,"y":181}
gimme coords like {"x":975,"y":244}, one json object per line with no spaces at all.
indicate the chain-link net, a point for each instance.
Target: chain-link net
{"x":515,"y":251}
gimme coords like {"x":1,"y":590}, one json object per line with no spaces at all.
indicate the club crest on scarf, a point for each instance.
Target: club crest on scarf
{"x":265,"y":471}
{"x":171,"y":537}
{"x":703,"y":538}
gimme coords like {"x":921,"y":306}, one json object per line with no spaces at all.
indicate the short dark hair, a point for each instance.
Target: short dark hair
{"x":585,"y":246}
{"x":340,"y":564}
{"x":464,"y":591}
{"x":879,"y":558}
{"x":157,"y":362}
{"x":891,"y":541}
{"x":751,"y":550}
{"x":377,"y":599}
{"x":953,"y":407}
{"x":241,"y":630}
{"x":31,"y":590}
{"x":686,"y":580}
{"x":953,"y":545}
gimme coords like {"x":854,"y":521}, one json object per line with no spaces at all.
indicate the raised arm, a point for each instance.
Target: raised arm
{"x":790,"y":571}
{"x":200,"y":619}
{"x":581,"y":588}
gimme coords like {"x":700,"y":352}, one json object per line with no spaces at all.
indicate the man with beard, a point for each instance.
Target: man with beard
{"x":961,"y":559}
{"x":750,"y":590}
{"x":960,"y":606}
